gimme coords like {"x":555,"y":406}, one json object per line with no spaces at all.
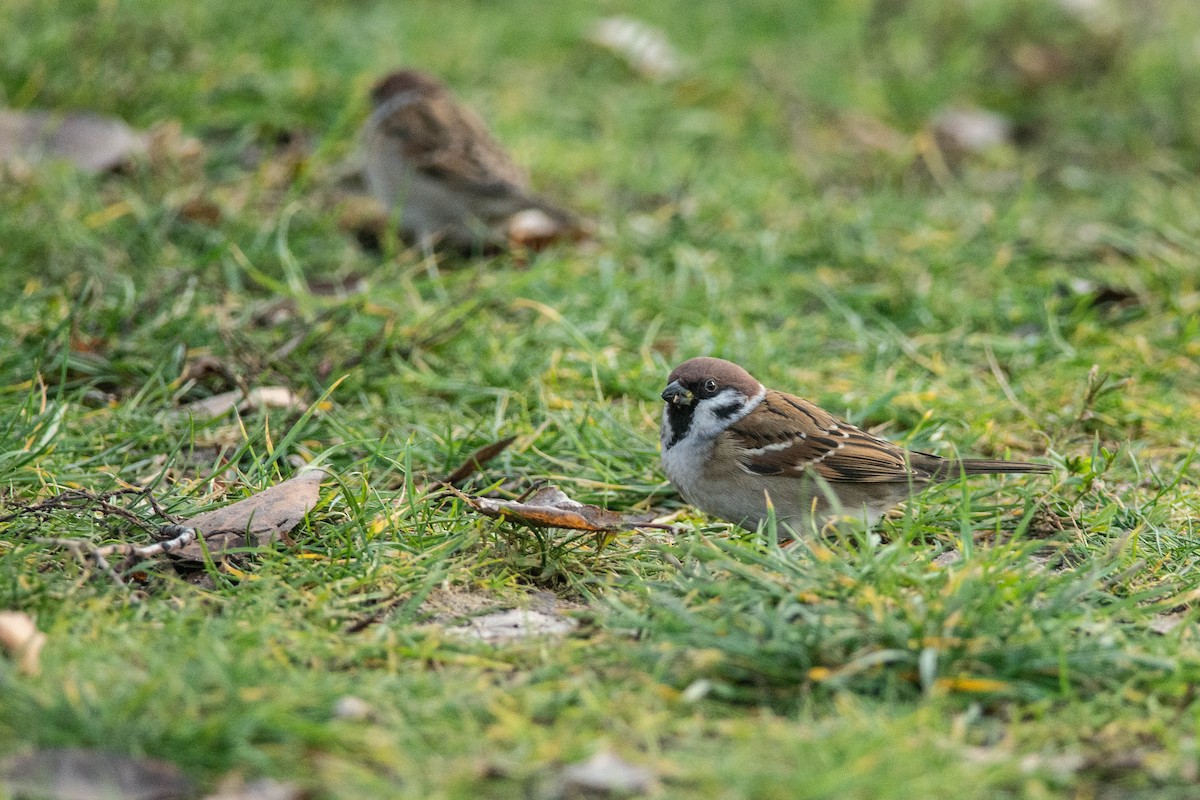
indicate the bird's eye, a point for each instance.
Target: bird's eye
{"x":710,"y":386}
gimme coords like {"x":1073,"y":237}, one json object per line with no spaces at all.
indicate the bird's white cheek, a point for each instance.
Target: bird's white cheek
{"x":715,"y":414}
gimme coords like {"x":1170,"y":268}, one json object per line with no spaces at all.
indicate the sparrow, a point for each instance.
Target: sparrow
{"x":432,"y":161}
{"x":733,"y":448}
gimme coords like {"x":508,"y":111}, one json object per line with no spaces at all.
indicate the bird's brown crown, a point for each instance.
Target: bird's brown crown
{"x":697,"y":371}
{"x":405,"y":80}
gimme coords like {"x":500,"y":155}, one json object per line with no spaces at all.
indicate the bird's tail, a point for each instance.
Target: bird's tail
{"x":985,"y":466}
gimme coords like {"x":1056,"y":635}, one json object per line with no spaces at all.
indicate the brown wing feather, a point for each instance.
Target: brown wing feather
{"x":447,"y":141}
{"x":788,"y":436}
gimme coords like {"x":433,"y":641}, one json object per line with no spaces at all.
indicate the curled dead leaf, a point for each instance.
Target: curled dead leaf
{"x":549,"y":507}
{"x":20,"y":638}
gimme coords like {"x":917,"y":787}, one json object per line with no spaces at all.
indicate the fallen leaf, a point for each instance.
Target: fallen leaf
{"x":605,"y":775}
{"x":258,"y":398}
{"x":255,"y":521}
{"x":83,"y":774}
{"x":235,"y":788}
{"x":641,"y":46}
{"x":549,"y":507}
{"x":20,"y":638}
{"x":93,"y":143}
{"x":477,"y":460}
{"x":514,"y":624}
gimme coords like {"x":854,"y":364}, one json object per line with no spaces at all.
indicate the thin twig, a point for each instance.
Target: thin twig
{"x":82,"y":500}
{"x":84,"y":550}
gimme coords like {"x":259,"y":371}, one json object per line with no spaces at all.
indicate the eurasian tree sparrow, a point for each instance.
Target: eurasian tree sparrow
{"x":729,"y":444}
{"x":433,"y":161}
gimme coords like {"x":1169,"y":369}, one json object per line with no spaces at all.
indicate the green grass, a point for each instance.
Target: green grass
{"x":741,"y":213}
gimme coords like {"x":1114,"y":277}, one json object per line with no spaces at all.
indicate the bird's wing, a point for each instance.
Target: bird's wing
{"x":446,"y":141}
{"x":788,"y":436}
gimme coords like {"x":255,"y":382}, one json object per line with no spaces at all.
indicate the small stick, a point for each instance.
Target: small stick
{"x":99,"y":555}
{"x":82,"y":551}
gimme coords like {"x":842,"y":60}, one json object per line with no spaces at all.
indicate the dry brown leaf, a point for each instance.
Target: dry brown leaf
{"x":477,"y":460}
{"x":20,"y":638}
{"x":258,"y":398}
{"x":83,"y":774}
{"x":255,"y":521}
{"x":93,"y":143}
{"x":549,"y":507}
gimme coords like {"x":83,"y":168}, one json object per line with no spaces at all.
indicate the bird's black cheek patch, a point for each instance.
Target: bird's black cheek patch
{"x":679,"y":417}
{"x":728,"y":410}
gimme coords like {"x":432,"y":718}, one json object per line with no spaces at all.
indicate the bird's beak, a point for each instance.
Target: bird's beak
{"x":674,"y":393}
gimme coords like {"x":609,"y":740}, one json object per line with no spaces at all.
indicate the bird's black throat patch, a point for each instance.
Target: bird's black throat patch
{"x":679,"y":417}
